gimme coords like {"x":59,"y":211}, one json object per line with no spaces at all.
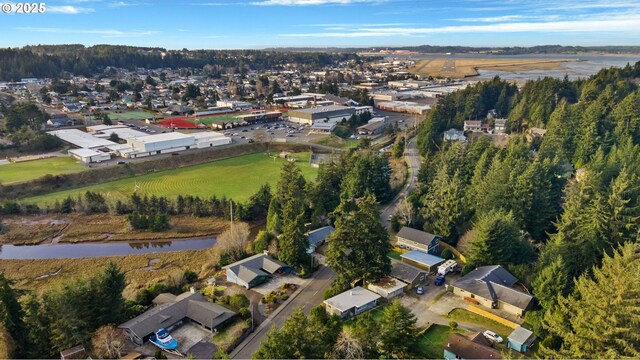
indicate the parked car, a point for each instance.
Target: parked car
{"x":439,"y":280}
{"x":492,"y":336}
{"x":419,"y":290}
{"x":121,"y":162}
{"x":175,"y":154}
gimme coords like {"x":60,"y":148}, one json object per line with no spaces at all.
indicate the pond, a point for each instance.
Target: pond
{"x":98,"y":249}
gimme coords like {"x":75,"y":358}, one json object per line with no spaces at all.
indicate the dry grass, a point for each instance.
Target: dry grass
{"x":25,"y":272}
{"x":81,"y":228}
{"x":464,"y":67}
{"x":226,"y":337}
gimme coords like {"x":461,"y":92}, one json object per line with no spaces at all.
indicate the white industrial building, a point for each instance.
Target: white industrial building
{"x":87,"y":156}
{"x":210,"y":139}
{"x":161,"y":143}
{"x":80,"y":139}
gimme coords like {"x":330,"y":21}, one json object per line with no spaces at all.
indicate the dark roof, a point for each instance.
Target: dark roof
{"x":416,"y":235}
{"x":336,"y":99}
{"x":319,"y":235}
{"x":76,"y":352}
{"x":202,"y":350}
{"x":464,"y":348}
{"x":170,"y":310}
{"x":495,"y":283}
{"x":405,"y":272}
{"x":255,"y":266}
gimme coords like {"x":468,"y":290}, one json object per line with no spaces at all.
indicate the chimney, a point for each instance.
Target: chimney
{"x":192,"y":290}
{"x":315,"y":101}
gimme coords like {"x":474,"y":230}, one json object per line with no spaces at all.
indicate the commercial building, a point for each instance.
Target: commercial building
{"x":375,"y":126}
{"x":161,"y":143}
{"x":87,"y":156}
{"x":210,"y":139}
{"x":331,"y":113}
{"x":351,"y":302}
{"x":323,"y":127}
{"x":403,"y":107}
{"x":80,"y":139}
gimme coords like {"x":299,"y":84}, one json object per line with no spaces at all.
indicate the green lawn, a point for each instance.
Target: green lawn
{"x":218,"y":118}
{"x":467,"y":316}
{"x":29,"y":170}
{"x":394,"y":255}
{"x":237,"y":178}
{"x":431,"y":343}
{"x":375,"y":313}
{"x":132,"y":115}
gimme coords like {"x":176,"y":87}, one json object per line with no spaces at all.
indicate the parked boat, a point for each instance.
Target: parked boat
{"x":163,"y":340}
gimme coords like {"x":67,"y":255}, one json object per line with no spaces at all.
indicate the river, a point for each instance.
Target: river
{"x":99,"y":249}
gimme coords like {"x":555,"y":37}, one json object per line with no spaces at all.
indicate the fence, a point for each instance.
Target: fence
{"x":488,"y":315}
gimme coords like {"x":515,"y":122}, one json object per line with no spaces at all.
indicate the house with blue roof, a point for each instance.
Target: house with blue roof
{"x":422,"y":260}
{"x":317,"y":237}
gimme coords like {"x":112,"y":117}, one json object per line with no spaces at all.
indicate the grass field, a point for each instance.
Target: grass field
{"x":467,"y":316}
{"x":237,"y":178}
{"x":132,"y":115}
{"x":463,"y":67}
{"x":431,"y":344}
{"x":29,"y":170}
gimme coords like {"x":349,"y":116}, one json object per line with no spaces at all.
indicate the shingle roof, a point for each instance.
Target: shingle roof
{"x":416,"y":235}
{"x":404,"y":272}
{"x":467,"y":349}
{"x":254,"y":266}
{"x":522,"y":335}
{"x":191,"y":305}
{"x":494,"y":282}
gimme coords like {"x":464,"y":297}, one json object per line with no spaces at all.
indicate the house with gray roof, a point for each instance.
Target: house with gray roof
{"x":492,"y":286}
{"x":171,"y":311}
{"x":409,"y":274}
{"x":351,"y":302}
{"x":461,"y":347}
{"x":317,"y":237}
{"x":413,"y":239}
{"x":253,"y":270}
{"x":422,"y":260}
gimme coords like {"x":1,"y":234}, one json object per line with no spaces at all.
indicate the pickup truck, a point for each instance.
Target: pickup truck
{"x":439,"y":280}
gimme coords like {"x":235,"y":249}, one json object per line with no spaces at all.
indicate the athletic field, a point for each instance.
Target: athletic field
{"x":29,"y":170}
{"x":237,"y":178}
{"x":132,"y":115}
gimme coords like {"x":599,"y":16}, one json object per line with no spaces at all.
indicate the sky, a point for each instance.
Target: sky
{"x":255,"y":24}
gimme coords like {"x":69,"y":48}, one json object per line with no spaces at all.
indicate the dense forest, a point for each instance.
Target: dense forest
{"x":49,"y":61}
{"x":566,"y":204}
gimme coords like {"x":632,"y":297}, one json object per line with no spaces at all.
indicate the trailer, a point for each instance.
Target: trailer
{"x":447,"y":267}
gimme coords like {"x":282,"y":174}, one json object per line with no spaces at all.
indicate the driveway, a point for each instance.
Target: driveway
{"x":412,"y":158}
{"x":277,"y":282}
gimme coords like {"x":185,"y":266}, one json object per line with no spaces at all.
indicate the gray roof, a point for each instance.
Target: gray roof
{"x":355,"y":297}
{"x":522,"y":336}
{"x":495,"y":283}
{"x":187,"y":305}
{"x":202,"y":350}
{"x":422,"y":257}
{"x":405,"y":272}
{"x":319,"y":235}
{"x":255,"y":266}
{"x":416,"y":235}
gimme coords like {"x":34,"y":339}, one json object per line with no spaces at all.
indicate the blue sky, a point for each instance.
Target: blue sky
{"x":234,"y":24}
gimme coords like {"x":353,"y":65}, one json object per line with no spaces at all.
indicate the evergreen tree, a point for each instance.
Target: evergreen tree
{"x":37,"y":323}
{"x":11,"y":315}
{"x":442,"y":204}
{"x":397,"y":331}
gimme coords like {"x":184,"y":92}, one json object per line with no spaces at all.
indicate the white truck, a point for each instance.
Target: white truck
{"x":447,"y":267}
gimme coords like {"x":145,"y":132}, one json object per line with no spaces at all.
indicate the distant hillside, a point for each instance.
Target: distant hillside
{"x":542,"y":49}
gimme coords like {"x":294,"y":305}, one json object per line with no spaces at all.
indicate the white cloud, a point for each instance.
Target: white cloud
{"x":505,"y":18}
{"x":312,"y":2}
{"x":622,"y":24}
{"x":69,"y":9}
{"x":108,"y":33}
{"x":119,"y":4}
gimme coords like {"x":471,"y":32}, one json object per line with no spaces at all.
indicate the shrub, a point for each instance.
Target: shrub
{"x":245,"y":313}
{"x":238,"y":301}
{"x":270,"y":298}
{"x":446,"y":254}
{"x":453,"y":325}
{"x":190,"y":276}
{"x":224,"y":299}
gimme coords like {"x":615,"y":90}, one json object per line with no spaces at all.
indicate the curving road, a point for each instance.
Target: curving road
{"x":412,"y":158}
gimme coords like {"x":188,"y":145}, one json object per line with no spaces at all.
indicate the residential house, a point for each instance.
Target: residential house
{"x":454,"y":135}
{"x":388,"y":287}
{"x":351,"y":302}
{"x":499,"y":126}
{"x":521,"y":339}
{"x":317,"y":237}
{"x":535,"y":132}
{"x":422,"y":260}
{"x":412,"y":239}
{"x":460,"y":347}
{"x":253,"y":270}
{"x":76,"y":352}
{"x":492,"y":287}
{"x":171,"y":311}
{"x":409,"y":274}
{"x":472,"y":125}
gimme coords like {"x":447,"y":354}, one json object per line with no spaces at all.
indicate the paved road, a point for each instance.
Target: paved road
{"x":307,"y":298}
{"x":413,"y":161}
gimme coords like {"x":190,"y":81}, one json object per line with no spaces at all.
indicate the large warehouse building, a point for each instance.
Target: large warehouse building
{"x":331,"y":113}
{"x":172,"y":142}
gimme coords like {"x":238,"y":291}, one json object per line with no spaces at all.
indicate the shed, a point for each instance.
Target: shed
{"x":422,"y":260}
{"x":521,"y":339}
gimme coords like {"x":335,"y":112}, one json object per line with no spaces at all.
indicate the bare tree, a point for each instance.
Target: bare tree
{"x":7,"y":345}
{"x":405,"y":209}
{"x":108,"y":342}
{"x":347,"y":346}
{"x":233,"y":242}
